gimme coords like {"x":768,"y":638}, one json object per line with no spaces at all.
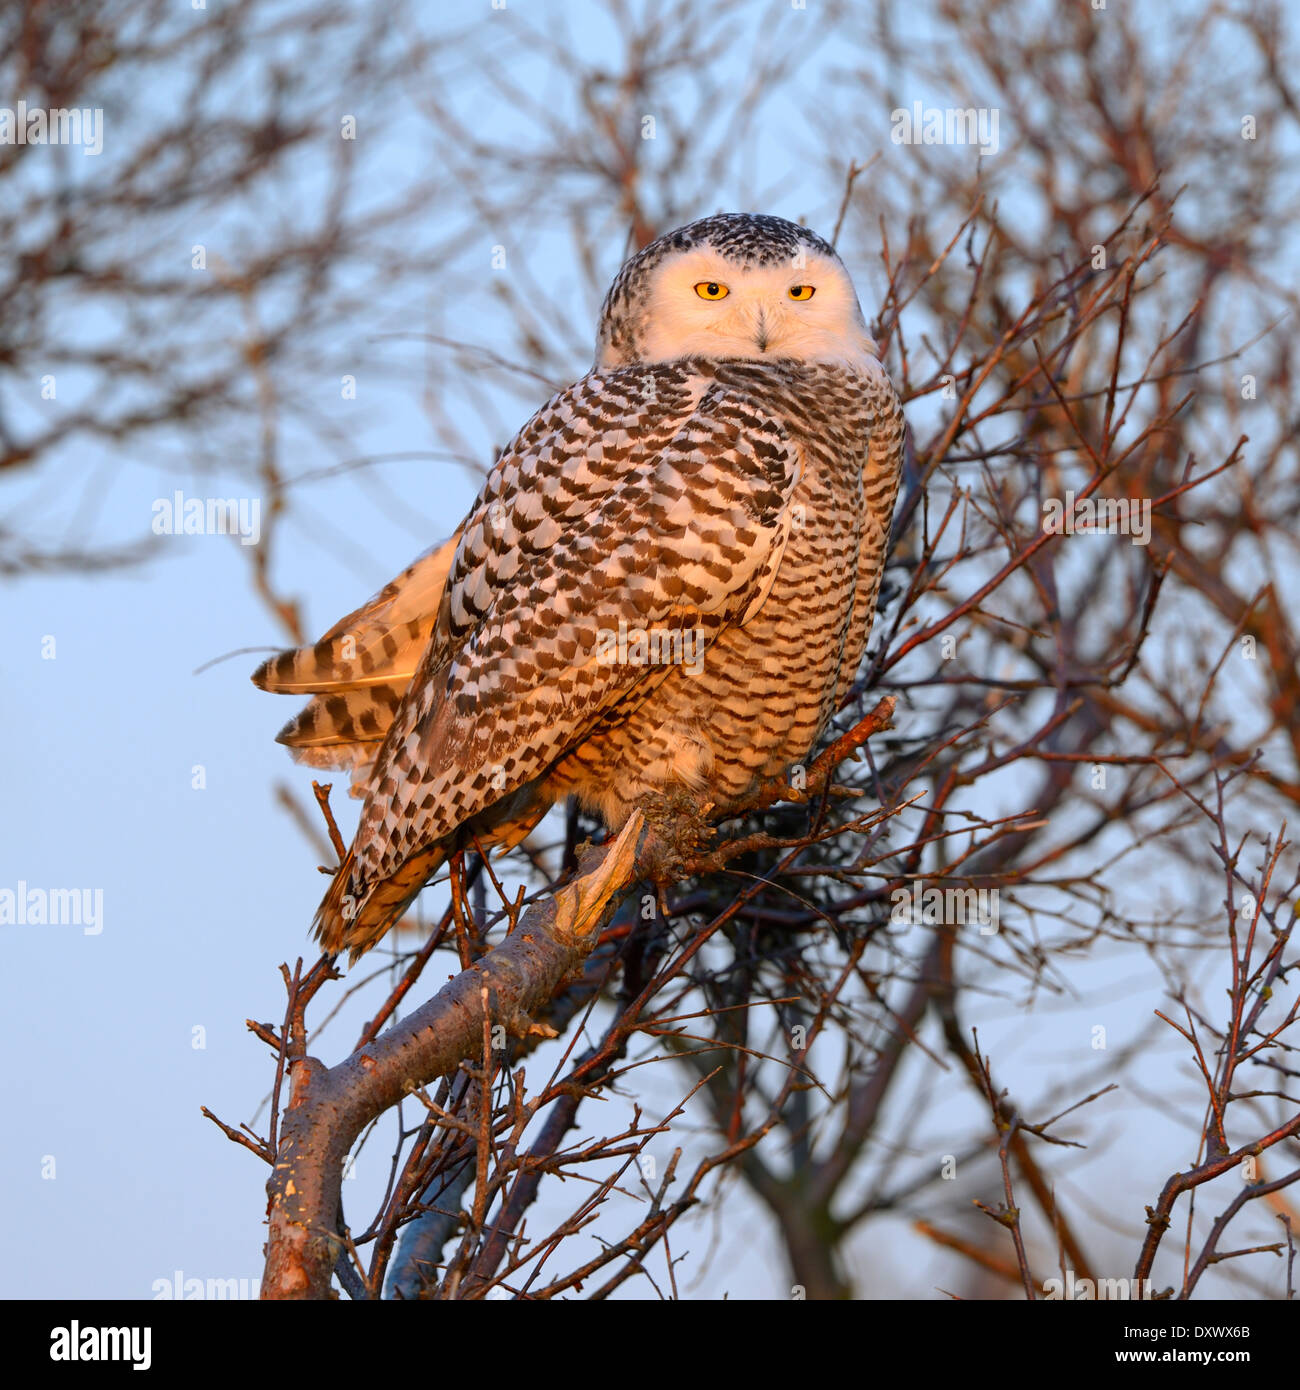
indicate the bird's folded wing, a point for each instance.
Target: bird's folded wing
{"x":668,"y":514}
{"x":382,"y":640}
{"x":358,"y":672}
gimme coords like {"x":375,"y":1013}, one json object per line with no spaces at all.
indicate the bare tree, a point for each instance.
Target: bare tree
{"x":1076,"y":736}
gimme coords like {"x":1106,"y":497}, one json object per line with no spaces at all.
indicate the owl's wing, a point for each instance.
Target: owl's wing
{"x":651,"y":499}
{"x":884,"y":466}
{"x":360,"y":669}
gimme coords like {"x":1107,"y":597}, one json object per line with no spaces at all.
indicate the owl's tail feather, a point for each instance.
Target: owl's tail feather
{"x":353,"y":918}
{"x":359,"y":671}
{"x":379,"y":642}
{"x":344,"y":730}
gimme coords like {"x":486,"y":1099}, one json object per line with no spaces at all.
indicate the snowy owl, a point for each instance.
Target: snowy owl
{"x":660,"y":596}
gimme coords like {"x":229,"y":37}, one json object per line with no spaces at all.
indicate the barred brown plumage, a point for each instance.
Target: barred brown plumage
{"x":719,"y":489}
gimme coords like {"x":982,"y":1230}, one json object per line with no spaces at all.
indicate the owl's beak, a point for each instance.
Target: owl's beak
{"x":760,"y":336}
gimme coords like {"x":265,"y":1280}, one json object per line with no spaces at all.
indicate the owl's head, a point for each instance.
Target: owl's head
{"x":735,"y":285}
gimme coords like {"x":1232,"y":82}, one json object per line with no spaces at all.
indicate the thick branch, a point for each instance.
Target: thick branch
{"x":330,"y":1106}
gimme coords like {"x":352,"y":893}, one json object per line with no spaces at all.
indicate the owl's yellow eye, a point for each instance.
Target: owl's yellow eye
{"x":802,"y":291}
{"x":710,"y":289}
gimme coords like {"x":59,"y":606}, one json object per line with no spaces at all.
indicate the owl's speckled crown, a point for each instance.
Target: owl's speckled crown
{"x":748,"y":238}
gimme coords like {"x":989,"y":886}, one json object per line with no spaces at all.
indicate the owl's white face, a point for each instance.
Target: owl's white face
{"x":702,"y":303}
